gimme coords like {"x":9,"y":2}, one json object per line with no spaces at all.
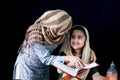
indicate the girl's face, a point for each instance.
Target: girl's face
{"x":77,"y":39}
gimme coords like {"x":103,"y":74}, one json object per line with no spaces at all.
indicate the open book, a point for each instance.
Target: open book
{"x":72,"y":71}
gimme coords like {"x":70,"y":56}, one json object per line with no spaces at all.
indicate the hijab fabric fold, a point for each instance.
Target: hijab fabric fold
{"x":48,"y":29}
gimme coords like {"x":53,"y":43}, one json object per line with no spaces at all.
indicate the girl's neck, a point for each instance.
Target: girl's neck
{"x":78,"y":53}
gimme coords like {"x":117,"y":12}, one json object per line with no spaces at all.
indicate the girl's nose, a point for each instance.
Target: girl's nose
{"x":75,"y":39}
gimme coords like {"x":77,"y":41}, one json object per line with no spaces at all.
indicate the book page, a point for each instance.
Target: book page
{"x":65,"y":68}
{"x":87,"y":66}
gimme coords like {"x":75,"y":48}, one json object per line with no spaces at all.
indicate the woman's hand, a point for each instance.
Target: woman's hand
{"x":93,"y":56}
{"x":74,"y":61}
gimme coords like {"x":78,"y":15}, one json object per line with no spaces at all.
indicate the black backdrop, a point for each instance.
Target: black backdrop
{"x":101,"y":18}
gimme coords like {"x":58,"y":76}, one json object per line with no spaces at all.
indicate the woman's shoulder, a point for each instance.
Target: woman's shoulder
{"x":43,"y":46}
{"x":92,"y":51}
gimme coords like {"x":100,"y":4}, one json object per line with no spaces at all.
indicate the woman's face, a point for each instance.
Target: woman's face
{"x":77,"y":39}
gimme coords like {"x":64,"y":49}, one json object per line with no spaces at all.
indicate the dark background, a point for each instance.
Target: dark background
{"x":100,"y":17}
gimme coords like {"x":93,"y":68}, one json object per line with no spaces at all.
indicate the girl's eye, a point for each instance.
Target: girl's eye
{"x":80,"y":37}
{"x":72,"y":37}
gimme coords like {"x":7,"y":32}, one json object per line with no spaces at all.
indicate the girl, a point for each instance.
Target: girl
{"x":77,"y":44}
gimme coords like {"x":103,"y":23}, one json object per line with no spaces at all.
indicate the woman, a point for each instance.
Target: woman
{"x":77,"y":44}
{"x":41,"y":39}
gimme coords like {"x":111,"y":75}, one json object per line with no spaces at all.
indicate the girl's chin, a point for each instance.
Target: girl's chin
{"x":75,"y":47}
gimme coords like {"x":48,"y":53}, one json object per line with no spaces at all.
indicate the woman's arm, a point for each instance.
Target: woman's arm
{"x":93,"y":56}
{"x":46,"y":58}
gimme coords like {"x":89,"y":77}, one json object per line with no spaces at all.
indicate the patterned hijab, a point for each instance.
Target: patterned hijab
{"x":48,"y":29}
{"x":66,"y":48}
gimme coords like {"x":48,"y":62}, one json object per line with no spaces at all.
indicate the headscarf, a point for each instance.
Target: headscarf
{"x":49,"y":28}
{"x":66,"y":48}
